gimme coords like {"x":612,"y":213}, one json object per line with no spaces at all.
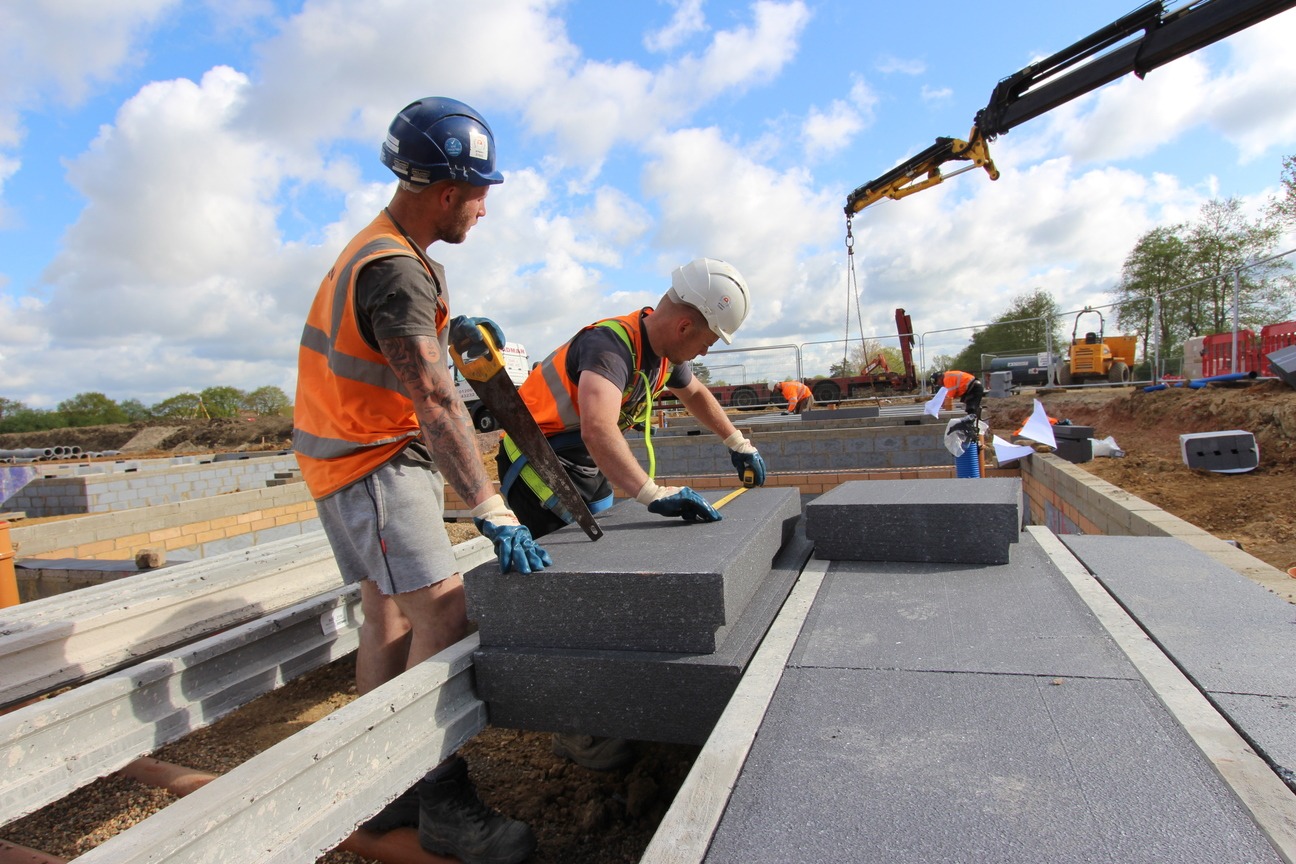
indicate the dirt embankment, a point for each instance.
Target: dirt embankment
{"x":163,"y":436}
{"x":1253,"y":508}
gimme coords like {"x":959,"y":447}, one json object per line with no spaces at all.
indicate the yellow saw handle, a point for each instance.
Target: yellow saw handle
{"x":476,"y":355}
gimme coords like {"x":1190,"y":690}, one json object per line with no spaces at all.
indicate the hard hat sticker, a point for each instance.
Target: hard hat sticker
{"x":453,"y":147}
{"x":478,"y":145}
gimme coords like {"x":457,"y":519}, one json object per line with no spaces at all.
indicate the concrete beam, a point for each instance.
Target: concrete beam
{"x":303,"y":796}
{"x":53,"y":747}
{"x":50,"y":643}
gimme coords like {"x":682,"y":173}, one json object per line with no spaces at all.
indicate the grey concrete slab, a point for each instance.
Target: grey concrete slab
{"x":650,"y":584}
{"x":1018,"y":619}
{"x":945,"y":520}
{"x":897,"y":766}
{"x":640,"y":695}
{"x":1227,"y":633}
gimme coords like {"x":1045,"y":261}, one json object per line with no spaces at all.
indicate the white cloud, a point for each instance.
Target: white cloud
{"x":936,"y":94}
{"x":176,"y":263}
{"x":888,"y":63}
{"x":826,"y":132}
{"x":687,"y":20}
{"x":598,"y":105}
{"x":716,"y":201}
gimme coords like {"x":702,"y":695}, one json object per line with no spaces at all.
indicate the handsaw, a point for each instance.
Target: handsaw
{"x":480,"y":362}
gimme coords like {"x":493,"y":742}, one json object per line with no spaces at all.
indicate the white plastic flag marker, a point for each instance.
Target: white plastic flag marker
{"x":1038,"y":428}
{"x":933,"y":405}
{"x":1005,"y":452}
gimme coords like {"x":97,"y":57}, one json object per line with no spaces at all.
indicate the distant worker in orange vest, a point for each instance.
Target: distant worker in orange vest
{"x":961,"y":385}
{"x":797,"y":395}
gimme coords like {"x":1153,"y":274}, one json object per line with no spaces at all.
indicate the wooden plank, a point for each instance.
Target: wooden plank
{"x":300,"y":798}
{"x":685,"y":832}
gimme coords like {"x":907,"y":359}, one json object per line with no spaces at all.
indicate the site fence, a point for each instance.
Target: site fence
{"x":1236,"y":349}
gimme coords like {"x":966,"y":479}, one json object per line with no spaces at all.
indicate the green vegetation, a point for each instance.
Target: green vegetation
{"x":96,"y":409}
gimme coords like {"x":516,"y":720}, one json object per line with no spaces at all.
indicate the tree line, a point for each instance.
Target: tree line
{"x":96,"y":409}
{"x":1178,"y":281}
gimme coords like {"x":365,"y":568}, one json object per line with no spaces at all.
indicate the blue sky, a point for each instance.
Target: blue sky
{"x":175,"y":177}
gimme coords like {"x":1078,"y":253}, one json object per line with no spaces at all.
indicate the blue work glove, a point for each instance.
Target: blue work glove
{"x":677,"y":501}
{"x":744,"y":455}
{"x":494,"y":329}
{"x":514,"y":545}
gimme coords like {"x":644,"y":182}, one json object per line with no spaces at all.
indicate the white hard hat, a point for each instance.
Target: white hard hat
{"x":717,"y":290}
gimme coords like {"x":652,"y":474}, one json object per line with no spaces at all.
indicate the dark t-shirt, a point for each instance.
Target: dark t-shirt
{"x":396,"y":297}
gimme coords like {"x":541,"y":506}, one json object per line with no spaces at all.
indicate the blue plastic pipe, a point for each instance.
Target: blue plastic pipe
{"x":1199,"y":383}
{"x":968,"y":465}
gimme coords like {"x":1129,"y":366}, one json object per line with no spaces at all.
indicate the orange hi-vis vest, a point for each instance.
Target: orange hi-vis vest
{"x":352,"y":413}
{"x":957,"y":382}
{"x":794,"y":392}
{"x":552,"y":396}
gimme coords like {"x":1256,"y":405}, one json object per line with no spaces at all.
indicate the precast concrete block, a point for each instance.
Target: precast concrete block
{"x":649,"y":584}
{"x":638,"y":695}
{"x":943,"y":520}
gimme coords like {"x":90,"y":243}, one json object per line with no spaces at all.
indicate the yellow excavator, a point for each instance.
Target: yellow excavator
{"x":1146,"y":38}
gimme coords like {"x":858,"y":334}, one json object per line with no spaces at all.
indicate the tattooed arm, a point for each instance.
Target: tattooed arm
{"x":447,"y":429}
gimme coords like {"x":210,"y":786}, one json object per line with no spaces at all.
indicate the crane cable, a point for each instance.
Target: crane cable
{"x":852,"y":291}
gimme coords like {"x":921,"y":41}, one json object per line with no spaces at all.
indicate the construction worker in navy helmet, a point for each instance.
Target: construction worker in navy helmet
{"x":378,"y":419}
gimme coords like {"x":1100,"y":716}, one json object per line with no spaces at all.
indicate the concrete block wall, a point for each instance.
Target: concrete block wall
{"x":187,"y":530}
{"x":67,"y":492}
{"x":1067,"y":499}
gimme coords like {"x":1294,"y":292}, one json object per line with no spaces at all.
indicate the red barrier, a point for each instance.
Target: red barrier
{"x":1275,"y":337}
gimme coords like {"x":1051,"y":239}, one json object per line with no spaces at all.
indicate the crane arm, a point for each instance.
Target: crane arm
{"x":1098,"y":59}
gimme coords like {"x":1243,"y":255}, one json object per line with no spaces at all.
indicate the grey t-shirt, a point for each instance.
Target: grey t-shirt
{"x":396,"y":297}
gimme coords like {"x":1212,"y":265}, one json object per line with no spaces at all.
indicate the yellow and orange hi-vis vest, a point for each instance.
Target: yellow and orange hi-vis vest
{"x":551,"y":395}
{"x":352,"y":413}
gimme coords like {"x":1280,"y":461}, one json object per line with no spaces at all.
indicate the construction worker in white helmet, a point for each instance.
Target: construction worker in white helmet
{"x":604,"y":381}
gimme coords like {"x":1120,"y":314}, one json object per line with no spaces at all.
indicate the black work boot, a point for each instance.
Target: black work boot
{"x":454,"y":821}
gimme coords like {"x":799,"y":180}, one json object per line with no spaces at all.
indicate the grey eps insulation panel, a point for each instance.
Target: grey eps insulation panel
{"x":1233,"y":638}
{"x":650,"y":584}
{"x":946,"y":520}
{"x":950,"y":713}
{"x":1020,"y":619}
{"x":640,"y":695}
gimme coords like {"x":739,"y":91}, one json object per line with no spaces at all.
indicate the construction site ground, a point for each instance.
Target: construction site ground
{"x":600,"y":818}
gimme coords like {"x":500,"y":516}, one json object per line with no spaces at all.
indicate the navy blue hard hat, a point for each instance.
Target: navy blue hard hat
{"x":440,"y":139}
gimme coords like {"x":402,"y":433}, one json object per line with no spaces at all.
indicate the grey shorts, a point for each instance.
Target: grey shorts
{"x":388,"y":527}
